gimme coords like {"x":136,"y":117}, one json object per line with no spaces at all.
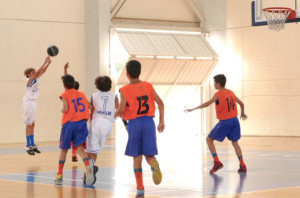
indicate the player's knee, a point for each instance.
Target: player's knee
{"x":208,"y":139}
{"x":234,"y":143}
{"x":138,"y":159}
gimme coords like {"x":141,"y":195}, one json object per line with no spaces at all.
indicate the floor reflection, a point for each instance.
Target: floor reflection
{"x":217,"y":180}
{"x":239,"y":188}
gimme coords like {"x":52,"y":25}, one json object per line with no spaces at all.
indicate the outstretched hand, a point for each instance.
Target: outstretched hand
{"x":188,"y":110}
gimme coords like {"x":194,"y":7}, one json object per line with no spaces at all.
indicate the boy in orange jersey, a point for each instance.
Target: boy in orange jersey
{"x":76,"y":87}
{"x":137,"y":105}
{"x":228,"y":125}
{"x":74,"y":128}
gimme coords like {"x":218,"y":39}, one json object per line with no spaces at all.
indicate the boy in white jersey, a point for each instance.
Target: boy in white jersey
{"x":103,"y":103}
{"x":29,"y":103}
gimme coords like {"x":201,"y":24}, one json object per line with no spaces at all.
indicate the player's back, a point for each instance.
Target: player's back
{"x":104,"y":105}
{"x":78,"y":106}
{"x":140,"y":100}
{"x":226,"y":105}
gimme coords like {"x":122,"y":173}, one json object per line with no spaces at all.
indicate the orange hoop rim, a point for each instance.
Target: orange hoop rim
{"x":276,"y":9}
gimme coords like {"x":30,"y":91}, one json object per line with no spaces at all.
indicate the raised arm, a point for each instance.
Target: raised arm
{"x":43,"y":68}
{"x":121,"y":107}
{"x":161,"y":109}
{"x":206,"y":104}
{"x":66,"y":68}
{"x":243,"y":115}
{"x":39,"y":71}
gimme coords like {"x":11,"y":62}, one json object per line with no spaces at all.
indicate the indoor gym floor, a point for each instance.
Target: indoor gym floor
{"x":273,"y":171}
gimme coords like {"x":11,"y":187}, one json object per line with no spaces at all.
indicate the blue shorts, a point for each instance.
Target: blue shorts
{"x":75,"y":132}
{"x":141,"y":137}
{"x":226,"y":128}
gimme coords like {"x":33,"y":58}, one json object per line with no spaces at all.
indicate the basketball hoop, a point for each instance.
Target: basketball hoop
{"x":276,"y":17}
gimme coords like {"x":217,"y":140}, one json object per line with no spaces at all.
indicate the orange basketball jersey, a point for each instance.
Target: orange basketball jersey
{"x":140,"y":100}
{"x":226,"y":105}
{"x":78,"y":106}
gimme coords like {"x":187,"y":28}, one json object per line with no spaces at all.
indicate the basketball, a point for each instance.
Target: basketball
{"x":52,"y":50}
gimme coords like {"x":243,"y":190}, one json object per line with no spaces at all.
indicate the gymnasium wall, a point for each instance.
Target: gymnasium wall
{"x":263,"y":68}
{"x":27,"y":29}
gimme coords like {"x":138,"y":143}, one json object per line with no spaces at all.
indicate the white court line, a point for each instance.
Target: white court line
{"x":248,"y":192}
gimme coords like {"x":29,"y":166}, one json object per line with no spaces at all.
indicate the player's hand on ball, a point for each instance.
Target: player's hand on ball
{"x":161,"y":127}
{"x":244,"y":116}
{"x":47,"y":60}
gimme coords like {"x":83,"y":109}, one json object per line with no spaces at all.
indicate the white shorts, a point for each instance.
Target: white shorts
{"x":98,"y":134}
{"x":29,"y":112}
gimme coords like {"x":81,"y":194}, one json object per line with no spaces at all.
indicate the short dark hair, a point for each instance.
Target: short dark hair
{"x":221,"y":79}
{"x":103,"y":83}
{"x":68,"y":81}
{"x":76,"y":86}
{"x":133,"y":68}
{"x":28,"y":71}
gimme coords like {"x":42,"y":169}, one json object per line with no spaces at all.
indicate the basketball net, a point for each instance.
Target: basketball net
{"x":276,"y":17}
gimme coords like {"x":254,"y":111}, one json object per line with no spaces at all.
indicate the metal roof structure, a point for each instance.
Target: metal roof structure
{"x":172,"y":71}
{"x":166,"y":44}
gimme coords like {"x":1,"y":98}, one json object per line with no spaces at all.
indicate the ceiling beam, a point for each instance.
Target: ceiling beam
{"x":117,"y":8}
{"x":197,"y":12}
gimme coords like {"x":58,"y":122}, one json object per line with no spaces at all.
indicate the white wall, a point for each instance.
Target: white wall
{"x":27,"y":29}
{"x":262,"y":68}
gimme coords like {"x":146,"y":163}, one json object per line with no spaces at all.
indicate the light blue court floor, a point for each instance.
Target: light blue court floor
{"x":185,"y":173}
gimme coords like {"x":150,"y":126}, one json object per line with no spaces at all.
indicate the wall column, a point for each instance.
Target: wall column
{"x":97,"y":24}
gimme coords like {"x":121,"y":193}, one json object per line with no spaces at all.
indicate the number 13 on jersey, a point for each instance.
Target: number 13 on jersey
{"x":143,"y":105}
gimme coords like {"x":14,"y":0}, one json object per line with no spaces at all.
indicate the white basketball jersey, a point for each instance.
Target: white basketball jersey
{"x":104,"y":104}
{"x":32,"y":92}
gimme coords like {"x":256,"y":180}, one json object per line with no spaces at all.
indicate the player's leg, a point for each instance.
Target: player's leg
{"x":61,"y":163}
{"x":90,"y":174}
{"x":33,"y":145}
{"x":29,"y":119}
{"x":79,"y":140}
{"x":134,"y":149}
{"x":138,"y":172}
{"x":64,"y":145}
{"x":238,"y":151}
{"x":218,"y":133}
{"x":28,"y":148}
{"x":74,"y":153}
{"x":234,"y":136}
{"x":150,"y":148}
{"x":217,"y":163}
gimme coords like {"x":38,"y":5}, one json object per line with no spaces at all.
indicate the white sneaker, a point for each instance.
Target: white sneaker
{"x":90,"y":175}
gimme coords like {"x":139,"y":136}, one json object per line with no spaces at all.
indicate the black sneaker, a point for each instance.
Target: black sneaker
{"x":29,"y":150}
{"x":74,"y":159}
{"x":35,"y":149}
